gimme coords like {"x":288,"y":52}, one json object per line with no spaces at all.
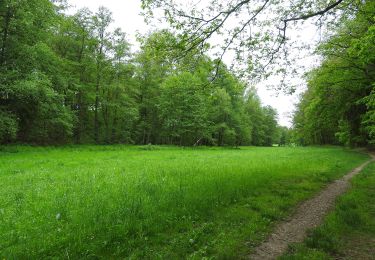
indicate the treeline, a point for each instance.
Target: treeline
{"x":339,"y":104}
{"x":72,"y":79}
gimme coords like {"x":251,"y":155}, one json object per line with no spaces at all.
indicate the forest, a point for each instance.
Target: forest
{"x":74,"y":79}
{"x":160,"y":147}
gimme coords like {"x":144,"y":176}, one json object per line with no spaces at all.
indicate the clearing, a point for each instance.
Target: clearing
{"x":154,"y":202}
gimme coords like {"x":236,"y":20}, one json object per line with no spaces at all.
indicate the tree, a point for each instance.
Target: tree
{"x":31,"y":97}
{"x":41,"y":114}
{"x":183,"y":110}
{"x":153,"y":66}
{"x":284,"y":136}
{"x":232,"y":127}
{"x":337,"y":106}
{"x":101,"y":22}
{"x":120,"y":110}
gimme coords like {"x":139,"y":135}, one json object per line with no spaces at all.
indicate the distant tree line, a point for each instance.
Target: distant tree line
{"x":339,"y":104}
{"x":72,"y":79}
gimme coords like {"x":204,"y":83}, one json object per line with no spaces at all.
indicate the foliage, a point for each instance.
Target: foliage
{"x":8,"y":127}
{"x":255,"y":32}
{"x":71,"y":78}
{"x":183,"y":110}
{"x":42,"y":116}
{"x":338,"y":105}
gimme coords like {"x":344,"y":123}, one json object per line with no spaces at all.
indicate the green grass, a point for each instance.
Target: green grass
{"x":153,"y":202}
{"x":349,"y":231}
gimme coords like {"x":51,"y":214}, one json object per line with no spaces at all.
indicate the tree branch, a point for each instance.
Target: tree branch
{"x":322,"y":12}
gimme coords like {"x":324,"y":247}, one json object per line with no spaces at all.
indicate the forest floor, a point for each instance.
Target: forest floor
{"x":155,"y":202}
{"x":308,"y":215}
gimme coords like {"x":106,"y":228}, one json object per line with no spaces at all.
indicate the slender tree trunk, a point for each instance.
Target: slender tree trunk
{"x":114,"y":124}
{"x":5,"y":34}
{"x":97,"y":89}
{"x":80,"y":106}
{"x":148,"y":136}
{"x":144,"y":136}
{"x":106,"y":116}
{"x":80,"y":118}
{"x":96,"y":118}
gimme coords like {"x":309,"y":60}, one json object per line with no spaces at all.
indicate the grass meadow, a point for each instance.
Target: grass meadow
{"x":150,"y":202}
{"x":349,"y":231}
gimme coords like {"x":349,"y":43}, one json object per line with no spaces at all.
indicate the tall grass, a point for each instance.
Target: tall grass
{"x":166,"y":202}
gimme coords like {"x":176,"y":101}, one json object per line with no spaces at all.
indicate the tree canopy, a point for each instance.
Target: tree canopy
{"x":338,"y":106}
{"x":257,"y":32}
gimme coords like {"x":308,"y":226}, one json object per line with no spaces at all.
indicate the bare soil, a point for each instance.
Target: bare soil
{"x":308,"y":215}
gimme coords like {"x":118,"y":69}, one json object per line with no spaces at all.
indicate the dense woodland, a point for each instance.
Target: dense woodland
{"x":339,"y":104}
{"x":73,"y":79}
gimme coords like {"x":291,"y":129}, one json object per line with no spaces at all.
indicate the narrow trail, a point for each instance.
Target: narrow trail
{"x":307,"y":215}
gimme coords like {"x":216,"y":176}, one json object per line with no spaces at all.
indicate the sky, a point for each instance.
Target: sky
{"x":126,"y":14}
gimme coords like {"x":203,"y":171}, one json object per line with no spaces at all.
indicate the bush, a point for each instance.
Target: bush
{"x":8,"y":127}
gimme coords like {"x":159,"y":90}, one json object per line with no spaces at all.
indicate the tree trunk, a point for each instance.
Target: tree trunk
{"x":97,"y":89}
{"x":5,"y":34}
{"x":96,"y":118}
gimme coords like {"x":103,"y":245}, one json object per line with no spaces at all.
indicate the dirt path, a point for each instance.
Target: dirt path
{"x":308,"y":215}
